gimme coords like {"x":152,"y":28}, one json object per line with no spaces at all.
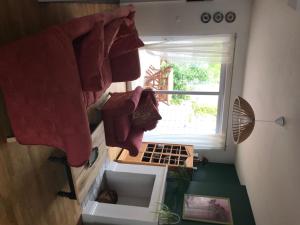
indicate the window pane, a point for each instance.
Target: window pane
{"x":161,"y":75}
{"x":188,"y":114}
{"x":192,"y":77}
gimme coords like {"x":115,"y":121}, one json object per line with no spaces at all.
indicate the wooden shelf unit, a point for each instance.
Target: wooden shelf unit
{"x":161,"y":154}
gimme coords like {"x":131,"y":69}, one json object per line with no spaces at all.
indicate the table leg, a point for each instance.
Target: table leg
{"x":63,"y":160}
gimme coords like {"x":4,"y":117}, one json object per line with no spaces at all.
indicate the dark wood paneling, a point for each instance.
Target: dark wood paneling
{"x":20,"y":18}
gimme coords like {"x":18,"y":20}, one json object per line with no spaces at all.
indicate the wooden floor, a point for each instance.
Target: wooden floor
{"x":25,"y":17}
{"x":28,"y":187}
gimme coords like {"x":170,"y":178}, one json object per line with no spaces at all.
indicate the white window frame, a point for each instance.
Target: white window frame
{"x":223,"y":94}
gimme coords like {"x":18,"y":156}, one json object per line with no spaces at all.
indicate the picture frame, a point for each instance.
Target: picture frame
{"x":208,"y":209}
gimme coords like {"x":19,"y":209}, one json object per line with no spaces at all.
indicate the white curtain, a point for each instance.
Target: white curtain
{"x":208,"y":49}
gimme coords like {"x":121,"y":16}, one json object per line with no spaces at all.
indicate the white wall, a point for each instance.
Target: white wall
{"x":179,"y":19}
{"x":268,"y":161}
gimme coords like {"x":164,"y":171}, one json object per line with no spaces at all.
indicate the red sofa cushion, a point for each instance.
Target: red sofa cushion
{"x":110,"y":33}
{"x":106,"y":78}
{"x":134,"y":141}
{"x":126,"y":44}
{"x":146,"y":115}
{"x":123,"y":103}
{"x":103,"y":43}
{"x":90,"y":54}
{"x":122,"y":126}
{"x":126,"y":67}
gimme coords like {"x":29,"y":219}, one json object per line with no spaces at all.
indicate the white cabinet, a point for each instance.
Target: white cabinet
{"x":140,"y":189}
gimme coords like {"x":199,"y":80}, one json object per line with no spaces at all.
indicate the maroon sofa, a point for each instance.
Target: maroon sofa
{"x":49,"y":79}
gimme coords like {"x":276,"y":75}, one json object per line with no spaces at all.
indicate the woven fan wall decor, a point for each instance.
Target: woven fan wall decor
{"x":243,"y":120}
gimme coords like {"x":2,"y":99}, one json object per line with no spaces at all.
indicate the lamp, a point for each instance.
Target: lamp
{"x":243,"y":120}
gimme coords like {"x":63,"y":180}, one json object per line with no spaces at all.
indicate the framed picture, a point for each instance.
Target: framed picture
{"x":207,"y":209}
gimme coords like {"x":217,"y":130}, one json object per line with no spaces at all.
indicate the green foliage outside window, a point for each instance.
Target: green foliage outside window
{"x":187,"y":76}
{"x":203,"y":110}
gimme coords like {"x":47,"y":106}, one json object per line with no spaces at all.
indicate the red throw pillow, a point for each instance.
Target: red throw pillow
{"x":123,"y":103}
{"x":125,"y":44}
{"x":110,"y":33}
{"x":105,"y":71}
{"x":90,"y":58}
{"x":122,"y":127}
{"x":126,"y":28}
{"x":146,"y":115}
{"x":126,"y":67}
